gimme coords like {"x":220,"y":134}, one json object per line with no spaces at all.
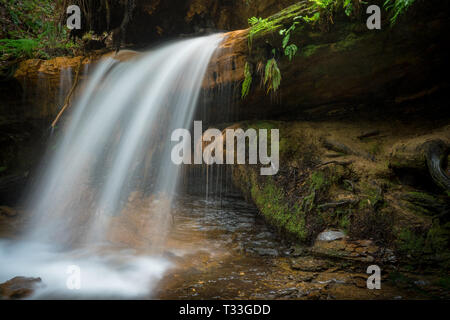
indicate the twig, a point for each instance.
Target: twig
{"x":336,"y":204}
{"x":369,"y":134}
{"x":69,"y":95}
{"x":340,"y":163}
{"x":337,"y":147}
{"x":351,"y":184}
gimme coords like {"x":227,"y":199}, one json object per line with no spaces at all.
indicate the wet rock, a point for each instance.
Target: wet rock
{"x":360,"y":250}
{"x":388,"y":256}
{"x":7,"y":211}
{"x":330,"y":235}
{"x":296,"y":252}
{"x":291,"y":293}
{"x":360,"y":282}
{"x":309,"y":264}
{"x":19,"y":288}
{"x":421,"y":283}
{"x":264,"y":235}
{"x":263,"y":251}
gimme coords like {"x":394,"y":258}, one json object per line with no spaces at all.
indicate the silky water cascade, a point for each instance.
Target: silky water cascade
{"x":113,"y":151}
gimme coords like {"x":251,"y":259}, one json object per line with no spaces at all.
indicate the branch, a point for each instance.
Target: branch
{"x":67,"y":100}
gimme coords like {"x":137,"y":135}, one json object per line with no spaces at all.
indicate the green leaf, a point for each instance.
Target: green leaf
{"x":286,"y":40}
{"x":291,"y":51}
{"x":272,"y":77}
{"x":247,"y":81}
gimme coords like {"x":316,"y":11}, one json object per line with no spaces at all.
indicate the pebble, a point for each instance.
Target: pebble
{"x":330,"y":235}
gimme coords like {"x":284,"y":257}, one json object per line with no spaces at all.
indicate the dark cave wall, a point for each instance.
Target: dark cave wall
{"x":155,"y":20}
{"x":344,"y":71}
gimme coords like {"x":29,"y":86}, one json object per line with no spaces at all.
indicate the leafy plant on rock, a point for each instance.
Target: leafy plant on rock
{"x":247,"y":81}
{"x":272,"y":75}
{"x":398,"y":7}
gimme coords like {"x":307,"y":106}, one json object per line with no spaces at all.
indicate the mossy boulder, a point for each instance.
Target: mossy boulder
{"x":318,"y":189}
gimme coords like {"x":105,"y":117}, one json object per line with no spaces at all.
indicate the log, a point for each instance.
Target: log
{"x":436,"y":153}
{"x":426,"y":154}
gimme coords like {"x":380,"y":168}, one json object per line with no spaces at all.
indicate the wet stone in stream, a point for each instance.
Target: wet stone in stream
{"x":224,"y":250}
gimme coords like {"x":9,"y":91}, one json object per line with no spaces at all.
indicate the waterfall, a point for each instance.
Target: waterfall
{"x":116,"y":144}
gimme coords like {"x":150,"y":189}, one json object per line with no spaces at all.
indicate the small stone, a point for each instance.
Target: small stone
{"x":330,"y":235}
{"x":372,"y":249}
{"x":361,"y":250}
{"x":365,"y":243}
{"x":19,"y":288}
{"x":263,"y":251}
{"x":7,"y":211}
{"x":296,"y":251}
{"x":421,"y":282}
{"x":309,"y":264}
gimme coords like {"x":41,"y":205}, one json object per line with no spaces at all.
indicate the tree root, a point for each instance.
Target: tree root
{"x":336,"y":204}
{"x":69,"y":95}
{"x":436,"y":153}
{"x":339,"y":163}
{"x":426,"y":154}
{"x":337,"y":147}
{"x":369,"y":134}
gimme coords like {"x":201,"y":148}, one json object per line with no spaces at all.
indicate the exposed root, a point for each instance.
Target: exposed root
{"x":436,"y":153}
{"x":69,"y":96}
{"x":339,"y":163}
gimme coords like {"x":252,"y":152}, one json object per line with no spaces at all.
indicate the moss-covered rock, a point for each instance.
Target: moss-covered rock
{"x":316,"y":189}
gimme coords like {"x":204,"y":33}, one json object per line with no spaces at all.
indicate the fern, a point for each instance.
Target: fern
{"x":247,"y":81}
{"x":258,"y":25}
{"x":325,"y":4}
{"x":348,"y":7}
{"x":398,"y":7}
{"x":18,"y":47}
{"x":291,"y":51}
{"x":272,"y":77}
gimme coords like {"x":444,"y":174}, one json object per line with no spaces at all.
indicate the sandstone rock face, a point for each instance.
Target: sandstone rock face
{"x":382,"y":216}
{"x":341,"y":71}
{"x":155,"y":19}
{"x":360,"y":250}
{"x":19,"y":288}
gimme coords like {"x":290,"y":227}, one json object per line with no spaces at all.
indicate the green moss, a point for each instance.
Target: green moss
{"x":317,"y":180}
{"x":432,"y":244}
{"x":420,"y":197}
{"x":347,"y":44}
{"x":374,"y":148}
{"x":399,"y":278}
{"x":309,"y":50}
{"x":425,"y":204}
{"x":18,"y":47}
{"x":371,"y":197}
{"x":344,"y":222}
{"x":298,"y":218}
{"x":260,"y":27}
{"x":443,"y":282}
{"x":274,"y":206}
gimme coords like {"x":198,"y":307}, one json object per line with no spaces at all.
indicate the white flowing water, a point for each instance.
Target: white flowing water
{"x":116,"y":142}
